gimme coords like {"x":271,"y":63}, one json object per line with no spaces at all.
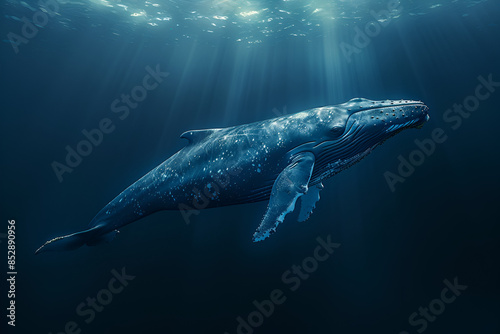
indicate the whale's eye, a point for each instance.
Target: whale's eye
{"x":336,"y":131}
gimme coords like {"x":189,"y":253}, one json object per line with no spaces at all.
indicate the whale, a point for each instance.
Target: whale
{"x":282,"y":160}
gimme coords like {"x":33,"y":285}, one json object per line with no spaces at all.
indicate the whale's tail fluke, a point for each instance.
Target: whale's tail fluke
{"x":89,"y":237}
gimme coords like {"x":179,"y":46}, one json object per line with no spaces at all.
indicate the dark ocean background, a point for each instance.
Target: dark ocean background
{"x":260,"y":60}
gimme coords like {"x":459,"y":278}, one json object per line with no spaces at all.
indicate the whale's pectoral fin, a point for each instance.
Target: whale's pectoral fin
{"x":290,"y":184}
{"x":308,"y":202}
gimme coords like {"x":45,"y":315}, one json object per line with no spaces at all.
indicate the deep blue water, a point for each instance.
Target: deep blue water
{"x":231,"y":63}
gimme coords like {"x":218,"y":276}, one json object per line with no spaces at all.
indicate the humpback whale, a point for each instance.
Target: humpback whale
{"x":278,"y":160}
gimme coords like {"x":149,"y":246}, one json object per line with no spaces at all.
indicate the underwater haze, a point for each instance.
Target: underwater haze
{"x":95,"y":94}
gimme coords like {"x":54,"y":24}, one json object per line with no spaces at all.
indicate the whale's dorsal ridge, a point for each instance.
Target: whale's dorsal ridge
{"x":194,"y":136}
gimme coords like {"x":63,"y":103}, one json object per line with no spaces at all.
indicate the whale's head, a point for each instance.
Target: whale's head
{"x":376,"y":120}
{"x":351,"y":130}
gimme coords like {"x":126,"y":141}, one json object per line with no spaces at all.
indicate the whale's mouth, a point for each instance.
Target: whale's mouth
{"x":427,"y":117}
{"x":408,"y":116}
{"x":413,"y":118}
{"x":392,"y":117}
